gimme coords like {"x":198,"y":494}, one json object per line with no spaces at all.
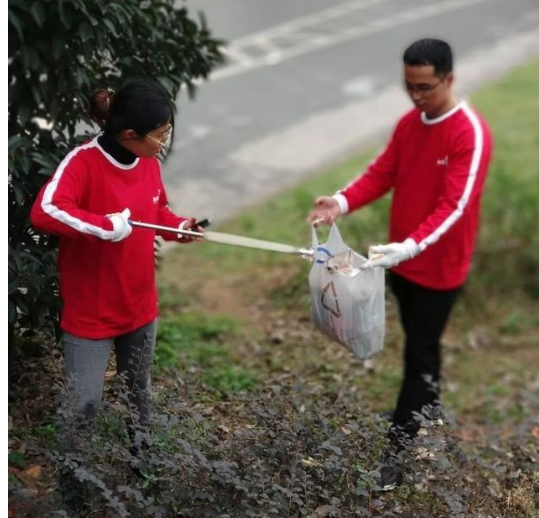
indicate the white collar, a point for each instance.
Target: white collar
{"x":441,"y":118}
{"x":113,"y":161}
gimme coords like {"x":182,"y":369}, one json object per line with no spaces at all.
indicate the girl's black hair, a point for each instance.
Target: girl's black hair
{"x":141,"y":105}
{"x":430,"y":51}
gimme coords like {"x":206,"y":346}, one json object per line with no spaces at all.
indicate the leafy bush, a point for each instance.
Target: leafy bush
{"x":286,"y":451}
{"x":59,"y":52}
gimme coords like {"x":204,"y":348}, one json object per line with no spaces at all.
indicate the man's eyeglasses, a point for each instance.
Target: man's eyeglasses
{"x":422,"y":89}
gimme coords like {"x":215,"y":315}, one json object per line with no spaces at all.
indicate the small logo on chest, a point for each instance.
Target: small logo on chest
{"x":443,"y":161}
{"x":155,"y":199}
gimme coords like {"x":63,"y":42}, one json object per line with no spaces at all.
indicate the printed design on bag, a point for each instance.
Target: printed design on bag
{"x":330,"y":327}
{"x":337,"y":311}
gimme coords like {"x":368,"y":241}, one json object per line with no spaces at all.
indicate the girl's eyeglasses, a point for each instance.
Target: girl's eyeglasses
{"x":165,"y":137}
{"x":163,"y":141}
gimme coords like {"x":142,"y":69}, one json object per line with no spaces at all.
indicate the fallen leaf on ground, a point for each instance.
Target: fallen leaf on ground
{"x":33,"y":471}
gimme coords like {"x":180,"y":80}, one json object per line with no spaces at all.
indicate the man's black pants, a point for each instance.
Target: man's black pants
{"x":424,"y":313}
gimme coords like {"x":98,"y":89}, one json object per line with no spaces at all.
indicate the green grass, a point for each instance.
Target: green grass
{"x":284,"y":220}
{"x":16,"y":458}
{"x":46,"y":432}
{"x":508,"y":252}
{"x":195,"y":341}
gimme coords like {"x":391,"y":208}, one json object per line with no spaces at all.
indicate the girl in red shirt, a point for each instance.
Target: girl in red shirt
{"x":107,"y":271}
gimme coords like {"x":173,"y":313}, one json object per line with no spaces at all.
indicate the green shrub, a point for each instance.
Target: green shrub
{"x":59,"y":52}
{"x":286,"y":451}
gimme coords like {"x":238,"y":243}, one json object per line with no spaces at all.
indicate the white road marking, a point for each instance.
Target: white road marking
{"x":300,"y":27}
{"x":363,"y":86}
{"x":233,"y":53}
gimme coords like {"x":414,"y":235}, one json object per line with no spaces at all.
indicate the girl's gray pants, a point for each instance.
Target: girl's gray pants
{"x":86,"y":363}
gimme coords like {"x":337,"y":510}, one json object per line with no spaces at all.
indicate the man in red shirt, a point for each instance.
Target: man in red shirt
{"x":436,"y":163}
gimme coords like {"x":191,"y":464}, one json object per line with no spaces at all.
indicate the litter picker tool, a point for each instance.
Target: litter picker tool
{"x":231,"y":239}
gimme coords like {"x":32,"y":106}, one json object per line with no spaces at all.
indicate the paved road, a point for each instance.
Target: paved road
{"x":309,"y":82}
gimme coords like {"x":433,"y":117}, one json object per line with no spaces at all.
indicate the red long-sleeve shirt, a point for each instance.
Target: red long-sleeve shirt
{"x":437,"y":169}
{"x":107,"y":288}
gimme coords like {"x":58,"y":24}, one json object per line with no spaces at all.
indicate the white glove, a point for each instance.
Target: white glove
{"x":120,"y":224}
{"x":392,"y":254}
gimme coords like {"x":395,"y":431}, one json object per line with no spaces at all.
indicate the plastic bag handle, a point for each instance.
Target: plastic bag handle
{"x":318,"y":250}
{"x":314,"y":238}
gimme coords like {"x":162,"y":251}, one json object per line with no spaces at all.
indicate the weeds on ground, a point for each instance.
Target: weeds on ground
{"x":284,"y":451}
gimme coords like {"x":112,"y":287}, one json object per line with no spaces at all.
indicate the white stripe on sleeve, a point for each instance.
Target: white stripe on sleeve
{"x":472,"y":176}
{"x":61,"y":215}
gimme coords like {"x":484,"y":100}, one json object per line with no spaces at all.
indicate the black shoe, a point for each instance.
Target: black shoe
{"x":390,"y":477}
{"x":72,"y":491}
{"x":399,"y":440}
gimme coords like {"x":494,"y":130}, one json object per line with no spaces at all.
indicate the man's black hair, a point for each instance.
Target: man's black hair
{"x":430,"y":51}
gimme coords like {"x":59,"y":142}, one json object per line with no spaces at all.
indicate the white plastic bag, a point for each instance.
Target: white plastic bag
{"x":348,"y":304}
